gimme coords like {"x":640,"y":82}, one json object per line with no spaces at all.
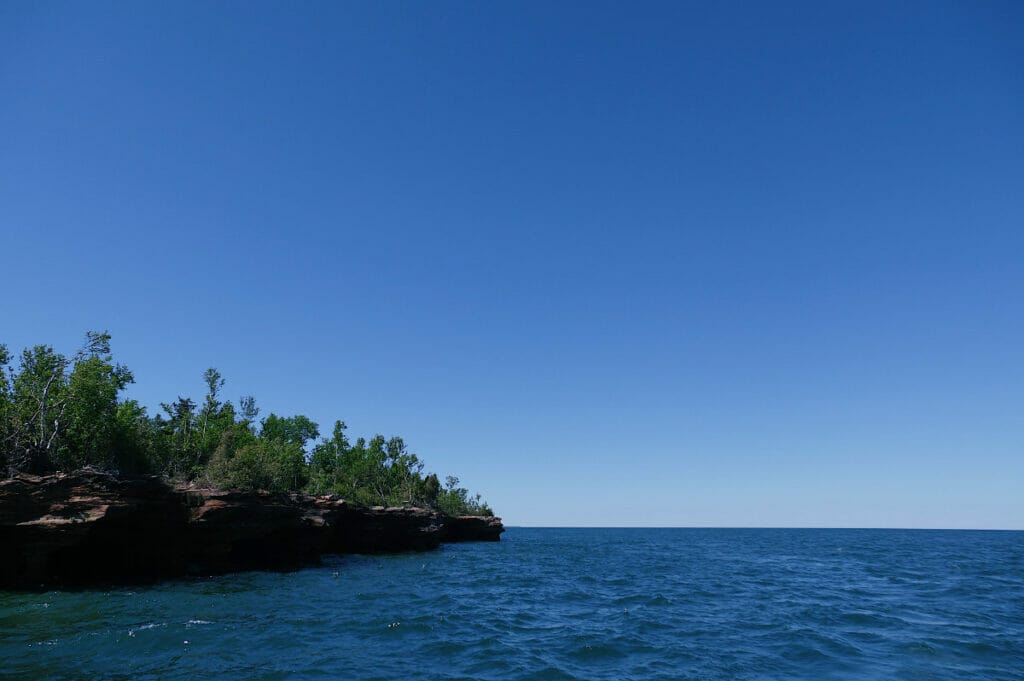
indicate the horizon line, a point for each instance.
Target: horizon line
{"x":761,"y":527}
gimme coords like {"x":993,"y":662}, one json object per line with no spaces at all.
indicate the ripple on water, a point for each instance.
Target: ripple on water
{"x":563,"y":604}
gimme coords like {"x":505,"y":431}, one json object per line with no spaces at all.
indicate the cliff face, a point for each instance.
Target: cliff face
{"x":473,"y":528}
{"x":93,"y":528}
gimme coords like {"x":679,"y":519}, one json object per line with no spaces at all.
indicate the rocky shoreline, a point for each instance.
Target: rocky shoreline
{"x":93,"y":528}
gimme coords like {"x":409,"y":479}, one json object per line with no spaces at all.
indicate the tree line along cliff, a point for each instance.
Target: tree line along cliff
{"x":64,"y":413}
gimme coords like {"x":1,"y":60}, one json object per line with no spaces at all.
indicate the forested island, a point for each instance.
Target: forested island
{"x":60,"y":413}
{"x":94,"y":489}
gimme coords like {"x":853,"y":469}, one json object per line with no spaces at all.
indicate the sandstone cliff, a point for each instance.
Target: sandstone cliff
{"x":95,"y":528}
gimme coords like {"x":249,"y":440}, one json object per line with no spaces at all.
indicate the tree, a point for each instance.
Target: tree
{"x":49,"y":402}
{"x":91,"y":412}
{"x":59,"y":412}
{"x":248,"y":410}
{"x":6,"y":433}
{"x":178,"y":431}
{"x":293,"y":429}
{"x":431,"y":488}
{"x":264,"y":465}
{"x":328,"y":460}
{"x":39,"y":401}
{"x":455,"y":500}
{"x":211,"y":405}
{"x":136,"y":440}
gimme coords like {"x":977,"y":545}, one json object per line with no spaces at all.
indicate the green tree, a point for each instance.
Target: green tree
{"x":39,"y":399}
{"x":61,"y":410}
{"x":248,"y":411}
{"x":294,"y":429}
{"x":431,"y":488}
{"x":91,"y":412}
{"x":136,"y":439}
{"x":6,"y":416}
{"x":178,"y":430}
{"x":210,"y":411}
{"x":455,"y":500}
{"x":264,"y":465}
{"x":328,"y":460}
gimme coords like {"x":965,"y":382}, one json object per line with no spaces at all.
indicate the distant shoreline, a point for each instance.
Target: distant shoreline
{"x":737,"y":527}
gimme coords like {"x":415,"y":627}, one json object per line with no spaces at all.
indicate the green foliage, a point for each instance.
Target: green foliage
{"x":6,"y":415}
{"x":381,"y":471}
{"x":178,"y":432}
{"x":297,"y":430}
{"x":455,"y":500}
{"x":264,"y":465}
{"x":91,"y":411}
{"x":61,"y":413}
{"x":136,"y":440}
{"x":39,"y":398}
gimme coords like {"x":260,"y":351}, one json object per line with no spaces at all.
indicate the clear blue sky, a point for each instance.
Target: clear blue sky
{"x":718,"y":263}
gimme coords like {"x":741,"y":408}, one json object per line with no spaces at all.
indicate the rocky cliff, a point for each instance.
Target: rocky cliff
{"x":94,"y":528}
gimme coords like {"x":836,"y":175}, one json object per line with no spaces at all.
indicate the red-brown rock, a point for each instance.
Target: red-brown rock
{"x":92,"y":528}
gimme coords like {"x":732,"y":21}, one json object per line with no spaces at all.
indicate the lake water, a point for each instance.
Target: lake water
{"x":562,"y":604}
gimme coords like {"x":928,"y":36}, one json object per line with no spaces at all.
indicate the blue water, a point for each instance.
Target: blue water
{"x":563,"y":604}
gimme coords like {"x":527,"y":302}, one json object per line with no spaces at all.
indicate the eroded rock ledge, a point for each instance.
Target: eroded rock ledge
{"x":94,"y":528}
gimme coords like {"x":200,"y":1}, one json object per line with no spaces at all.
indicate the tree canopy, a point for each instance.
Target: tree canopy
{"x":60,"y":413}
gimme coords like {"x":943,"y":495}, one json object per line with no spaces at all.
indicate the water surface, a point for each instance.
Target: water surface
{"x":562,"y":604}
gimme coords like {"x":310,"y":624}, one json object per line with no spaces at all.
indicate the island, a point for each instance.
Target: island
{"x":95,"y":491}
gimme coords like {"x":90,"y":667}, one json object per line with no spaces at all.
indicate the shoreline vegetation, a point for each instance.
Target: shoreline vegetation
{"x":60,"y":414}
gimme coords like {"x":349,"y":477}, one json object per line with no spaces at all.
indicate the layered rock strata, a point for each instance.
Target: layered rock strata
{"x":94,"y":528}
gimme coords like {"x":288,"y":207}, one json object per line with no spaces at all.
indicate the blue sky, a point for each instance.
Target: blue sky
{"x":733,"y":263}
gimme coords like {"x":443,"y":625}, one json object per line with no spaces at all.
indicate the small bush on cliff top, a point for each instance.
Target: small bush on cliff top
{"x":61,"y":413}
